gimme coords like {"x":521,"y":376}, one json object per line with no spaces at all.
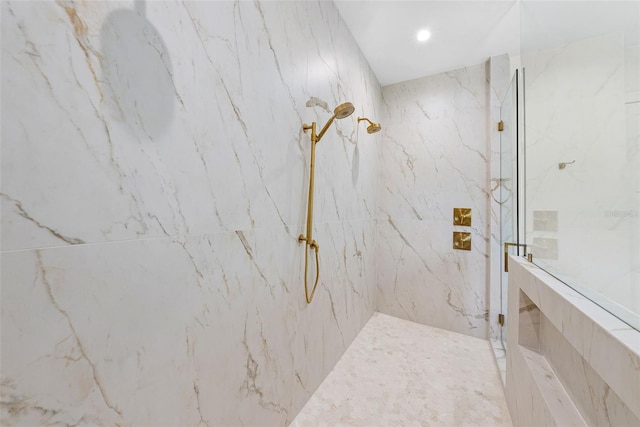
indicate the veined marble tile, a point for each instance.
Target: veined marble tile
{"x":435,"y":158}
{"x":402,"y":373}
{"x":421,"y":278}
{"x":435,"y":151}
{"x":189,"y":127}
{"x":154,"y":184}
{"x":582,"y":383}
{"x":209,"y":328}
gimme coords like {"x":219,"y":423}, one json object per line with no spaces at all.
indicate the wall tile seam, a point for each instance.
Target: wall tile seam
{"x":301,"y":227}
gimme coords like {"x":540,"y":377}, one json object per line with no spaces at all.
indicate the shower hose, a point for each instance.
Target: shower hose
{"x":314,"y":245}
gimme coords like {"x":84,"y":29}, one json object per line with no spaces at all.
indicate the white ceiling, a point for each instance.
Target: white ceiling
{"x":469,"y":32}
{"x":462,"y":33}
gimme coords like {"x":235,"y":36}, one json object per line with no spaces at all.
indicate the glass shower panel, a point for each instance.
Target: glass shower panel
{"x":583,"y":147}
{"x":503,"y":189}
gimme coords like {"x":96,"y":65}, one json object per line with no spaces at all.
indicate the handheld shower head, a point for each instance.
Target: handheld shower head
{"x":340,"y":112}
{"x":343,"y":110}
{"x":373,"y":127}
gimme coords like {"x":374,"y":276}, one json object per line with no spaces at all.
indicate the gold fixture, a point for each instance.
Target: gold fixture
{"x":340,"y":112}
{"x":373,"y":127}
{"x":563,"y":165}
{"x":462,"y":240}
{"x":500,"y":126}
{"x":501,"y":319}
{"x":530,"y":257}
{"x":506,"y":253}
{"x":462,"y":216}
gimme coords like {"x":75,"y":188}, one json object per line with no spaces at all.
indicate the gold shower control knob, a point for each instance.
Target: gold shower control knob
{"x":462,"y":216}
{"x":461,"y":241}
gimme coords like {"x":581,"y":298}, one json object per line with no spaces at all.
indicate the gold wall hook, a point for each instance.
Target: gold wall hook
{"x":563,"y":165}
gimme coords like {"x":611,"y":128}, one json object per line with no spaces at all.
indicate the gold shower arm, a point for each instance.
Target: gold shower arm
{"x":373,"y":127}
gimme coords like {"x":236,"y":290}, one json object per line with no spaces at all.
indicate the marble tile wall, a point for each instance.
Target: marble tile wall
{"x":154,"y":182}
{"x":435,"y":157}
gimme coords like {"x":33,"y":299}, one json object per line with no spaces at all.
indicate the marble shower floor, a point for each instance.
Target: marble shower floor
{"x":400,"y":373}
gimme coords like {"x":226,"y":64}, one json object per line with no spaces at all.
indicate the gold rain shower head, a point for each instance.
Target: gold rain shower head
{"x":373,"y":127}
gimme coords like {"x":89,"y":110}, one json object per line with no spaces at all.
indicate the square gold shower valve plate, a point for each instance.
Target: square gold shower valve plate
{"x":462,"y":216}
{"x":462,"y":240}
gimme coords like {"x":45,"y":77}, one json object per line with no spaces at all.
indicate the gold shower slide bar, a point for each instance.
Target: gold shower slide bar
{"x":340,"y":112}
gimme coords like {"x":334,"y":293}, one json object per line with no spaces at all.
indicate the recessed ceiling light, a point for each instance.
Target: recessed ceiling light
{"x":423,"y":35}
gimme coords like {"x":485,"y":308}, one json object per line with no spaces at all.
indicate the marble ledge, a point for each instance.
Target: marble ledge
{"x":599,"y":337}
